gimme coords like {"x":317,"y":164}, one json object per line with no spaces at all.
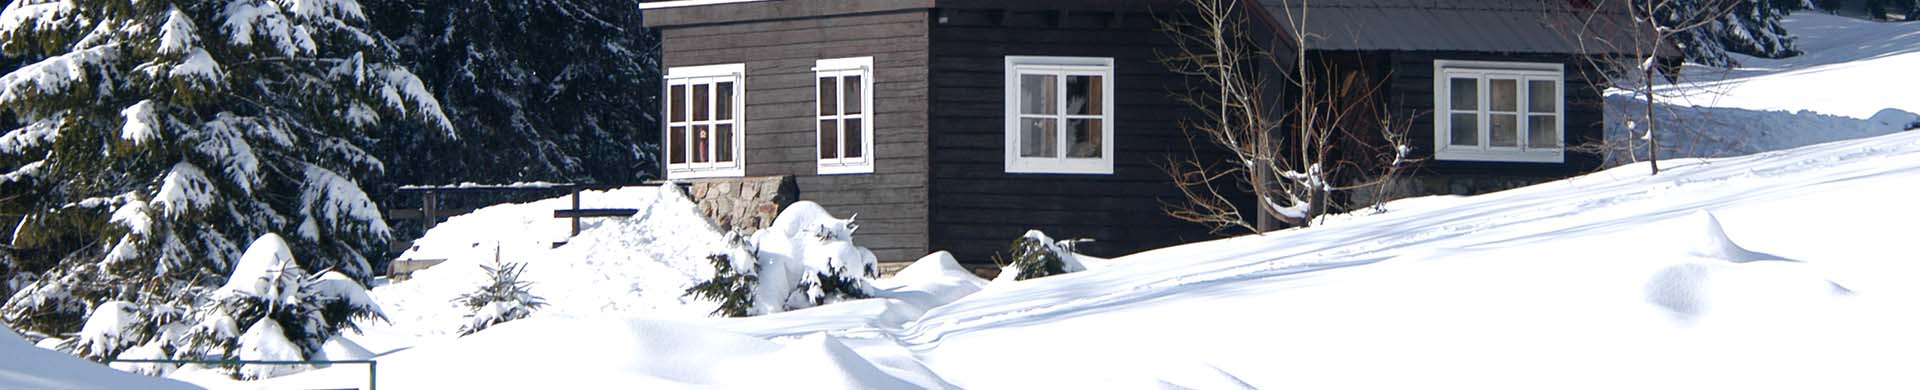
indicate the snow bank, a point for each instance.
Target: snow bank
{"x":617,"y":266}
{"x":25,"y":366}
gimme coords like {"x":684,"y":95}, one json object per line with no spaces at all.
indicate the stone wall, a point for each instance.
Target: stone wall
{"x":744,"y":204}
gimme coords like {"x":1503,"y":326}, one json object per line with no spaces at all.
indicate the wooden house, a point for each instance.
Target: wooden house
{"x":959,"y":124}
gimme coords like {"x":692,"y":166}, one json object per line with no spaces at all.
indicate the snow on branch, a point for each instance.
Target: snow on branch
{"x":184,"y":189}
{"x":328,"y":199}
{"x":142,"y":124}
{"x":53,"y":75}
{"x":249,"y":18}
{"x":177,"y":34}
{"x":401,"y":89}
{"x":41,"y":14}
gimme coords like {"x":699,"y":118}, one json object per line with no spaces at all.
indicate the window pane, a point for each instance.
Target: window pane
{"x":677,"y":149}
{"x":1466,"y":94}
{"x":1037,"y":94}
{"x":1543,"y":131}
{"x":854,"y":93}
{"x":723,"y":143}
{"x":1084,"y":95}
{"x":700,"y":106}
{"x":1504,"y":95}
{"x":853,"y":137}
{"x":829,"y":138}
{"x":723,"y":100}
{"x":1504,"y":130}
{"x":1541,"y":95}
{"x":1037,"y":138}
{"x":828,"y":97}
{"x":677,"y":106}
{"x":1466,"y":130}
{"x":701,"y":141}
{"x":1083,"y":138}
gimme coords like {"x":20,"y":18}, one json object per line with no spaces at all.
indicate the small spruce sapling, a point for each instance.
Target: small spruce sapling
{"x":1037,"y":256}
{"x":505,"y":298}
{"x":731,"y":286}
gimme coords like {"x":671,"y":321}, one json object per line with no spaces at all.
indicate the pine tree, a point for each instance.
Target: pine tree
{"x":160,"y":134}
{"x":1752,"y":27}
{"x":504,"y":298}
{"x":556,"y":90}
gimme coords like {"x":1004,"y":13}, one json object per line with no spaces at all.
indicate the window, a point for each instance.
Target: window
{"x":845,"y":115}
{"x":704,"y":133}
{"x":1059,"y":114}
{"x":1499,"y":111}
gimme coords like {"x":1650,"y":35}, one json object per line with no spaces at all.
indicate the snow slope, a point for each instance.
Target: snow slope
{"x":1852,"y":67}
{"x":25,"y":366}
{"x":1855,"y":80}
{"x":1786,"y":269}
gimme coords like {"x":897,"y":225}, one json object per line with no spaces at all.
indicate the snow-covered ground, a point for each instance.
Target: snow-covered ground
{"x":1855,"y":80}
{"x":30,"y":367}
{"x":1851,"y":67}
{"x":1787,"y":269}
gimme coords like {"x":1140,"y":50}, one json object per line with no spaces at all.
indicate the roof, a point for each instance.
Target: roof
{"x":1509,"y":26}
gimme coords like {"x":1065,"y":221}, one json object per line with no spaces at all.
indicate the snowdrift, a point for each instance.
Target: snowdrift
{"x":25,"y":366}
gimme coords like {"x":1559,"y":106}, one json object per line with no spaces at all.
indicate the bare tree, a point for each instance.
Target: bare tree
{"x":1292,"y":153}
{"x":1635,"y":40}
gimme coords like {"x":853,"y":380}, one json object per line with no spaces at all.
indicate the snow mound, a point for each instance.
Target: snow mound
{"x":1713,"y":242}
{"x":931,"y":281}
{"x":25,"y":366}
{"x":1721,"y":273}
{"x":639,"y":265}
{"x":258,"y":272}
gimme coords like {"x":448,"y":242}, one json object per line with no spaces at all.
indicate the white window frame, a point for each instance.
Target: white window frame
{"x":839,"y":69}
{"x":704,"y":74}
{"x":1060,"y":67}
{"x":1482,"y":71}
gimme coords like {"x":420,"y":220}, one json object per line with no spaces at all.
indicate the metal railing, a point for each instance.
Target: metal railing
{"x":372,"y":366}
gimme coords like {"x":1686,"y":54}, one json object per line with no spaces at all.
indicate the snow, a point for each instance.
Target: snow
{"x":1851,"y":68}
{"x":338,"y":201}
{"x":34,"y":135}
{"x":1615,"y":279}
{"x":177,"y":34}
{"x":54,"y":74}
{"x":639,"y":266}
{"x":110,"y":328}
{"x":259,"y":272}
{"x":184,"y":189}
{"x":198,"y":66}
{"x":246,"y":19}
{"x":401,"y":89}
{"x":41,"y":14}
{"x":141,"y":123}
{"x":266,"y":340}
{"x":25,"y":366}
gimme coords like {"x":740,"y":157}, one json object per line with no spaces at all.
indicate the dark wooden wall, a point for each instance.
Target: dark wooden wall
{"x":978,"y":208}
{"x":1410,"y":91}
{"x":779,"y":54}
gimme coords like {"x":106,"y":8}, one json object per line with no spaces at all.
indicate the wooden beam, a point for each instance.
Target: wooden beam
{"x":594,"y":213}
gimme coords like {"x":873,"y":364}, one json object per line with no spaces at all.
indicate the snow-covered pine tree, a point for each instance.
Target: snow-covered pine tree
{"x":504,"y":298}
{"x":160,"y":134}
{"x":553,"y":90}
{"x":287,"y":313}
{"x":732,"y":285}
{"x":1752,"y":27}
{"x":1037,"y":256}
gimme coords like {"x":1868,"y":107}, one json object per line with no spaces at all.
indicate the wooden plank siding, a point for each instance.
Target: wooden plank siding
{"x":1411,"y":91}
{"x":978,"y":209}
{"x":891,"y":202}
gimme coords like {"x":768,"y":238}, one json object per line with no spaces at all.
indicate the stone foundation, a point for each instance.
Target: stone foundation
{"x":744,"y":205}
